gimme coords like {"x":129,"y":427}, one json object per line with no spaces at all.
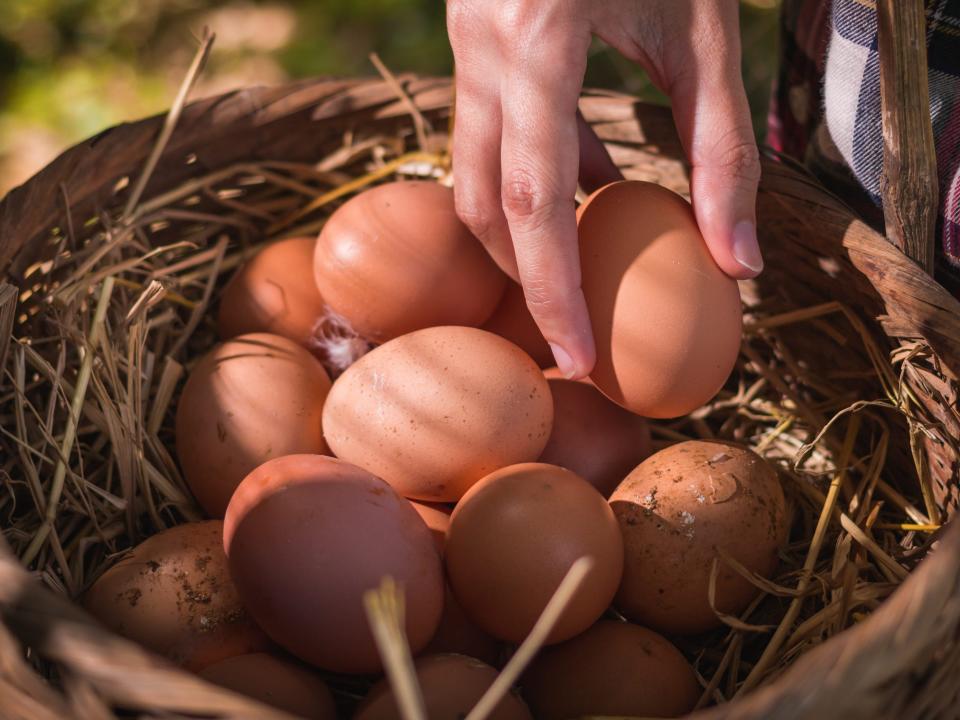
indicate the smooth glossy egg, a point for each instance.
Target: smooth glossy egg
{"x":434,"y":411}
{"x":307,"y":536}
{"x":396,"y":258}
{"x":666,"y":319}
{"x":512,"y":320}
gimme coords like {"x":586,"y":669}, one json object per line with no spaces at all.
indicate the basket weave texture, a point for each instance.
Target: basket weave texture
{"x":902,"y":661}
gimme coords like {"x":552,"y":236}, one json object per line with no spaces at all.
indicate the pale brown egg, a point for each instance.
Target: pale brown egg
{"x":614,"y":669}
{"x":452,"y":685}
{"x":666,"y":319}
{"x":434,"y":411}
{"x":307,"y":536}
{"x":595,"y":438}
{"x":275,"y":292}
{"x":675,"y":510}
{"x":512,"y":320}
{"x":437,"y":518}
{"x":396,"y":258}
{"x":459,"y":634}
{"x":282,"y":684}
{"x":173,"y":594}
{"x":514,"y":536}
{"x":252,"y":398}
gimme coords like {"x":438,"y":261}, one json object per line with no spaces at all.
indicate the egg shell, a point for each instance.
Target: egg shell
{"x":274,"y":292}
{"x":452,"y":685}
{"x":458,"y":634}
{"x":279,"y":683}
{"x":666,"y":320}
{"x":307,"y":536}
{"x":173,"y":594}
{"x":514,"y":536}
{"x":250,"y":399}
{"x":437,"y":518}
{"x":512,"y":321}
{"x":592,"y":436}
{"x":396,"y":258}
{"x":434,"y":411}
{"x":614,"y":669}
{"x":675,"y":509}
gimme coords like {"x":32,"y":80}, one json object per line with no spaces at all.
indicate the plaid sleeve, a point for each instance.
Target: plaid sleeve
{"x":826,"y":106}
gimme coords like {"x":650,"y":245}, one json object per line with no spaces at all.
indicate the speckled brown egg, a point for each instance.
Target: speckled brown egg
{"x":459,"y":634}
{"x":396,"y":258}
{"x":274,"y":292}
{"x":512,"y":320}
{"x":173,"y":594}
{"x":282,"y":684}
{"x":675,"y":510}
{"x":614,"y":669}
{"x":437,"y":518}
{"x":434,"y":411}
{"x":514,"y":536}
{"x":595,"y":438}
{"x":250,"y":399}
{"x":452,"y":685}
{"x":666,"y":319}
{"x":307,"y":536}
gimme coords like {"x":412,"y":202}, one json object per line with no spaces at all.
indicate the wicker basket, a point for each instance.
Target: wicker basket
{"x":903,"y":661}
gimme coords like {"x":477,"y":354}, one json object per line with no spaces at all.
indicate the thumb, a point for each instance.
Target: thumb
{"x":712,"y":115}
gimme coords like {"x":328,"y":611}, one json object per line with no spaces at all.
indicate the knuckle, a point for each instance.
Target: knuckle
{"x":525,"y":198}
{"x":547,"y":300}
{"x":477,"y":216}
{"x":737,"y":154}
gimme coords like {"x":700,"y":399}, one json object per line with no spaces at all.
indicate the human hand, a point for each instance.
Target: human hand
{"x":519,"y":71}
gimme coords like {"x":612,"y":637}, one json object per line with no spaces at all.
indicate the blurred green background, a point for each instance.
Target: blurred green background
{"x":70,"y":68}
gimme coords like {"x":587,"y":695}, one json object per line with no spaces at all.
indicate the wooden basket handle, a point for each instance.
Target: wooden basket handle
{"x":909,"y":181}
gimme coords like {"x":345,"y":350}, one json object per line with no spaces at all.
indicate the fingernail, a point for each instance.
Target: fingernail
{"x":564,"y":361}
{"x":746,"y":250}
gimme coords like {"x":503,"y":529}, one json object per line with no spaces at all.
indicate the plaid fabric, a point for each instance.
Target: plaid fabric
{"x":826,"y":105}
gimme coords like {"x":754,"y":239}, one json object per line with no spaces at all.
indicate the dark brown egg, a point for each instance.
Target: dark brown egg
{"x":512,"y":539}
{"x":282,"y":684}
{"x":437,"y":518}
{"x":275,"y":292}
{"x":614,"y":669}
{"x":434,"y":411}
{"x":512,"y":320}
{"x":452,"y":685}
{"x":173,"y":594}
{"x":250,"y":399}
{"x":675,"y":510}
{"x":307,"y":536}
{"x":666,"y":319}
{"x":459,"y":634}
{"x":595,"y":438}
{"x":396,"y":258}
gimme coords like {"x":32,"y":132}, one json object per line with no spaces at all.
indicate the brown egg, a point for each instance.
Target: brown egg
{"x":307,"y":536}
{"x":666,"y":320}
{"x":434,"y":411}
{"x":614,"y":669}
{"x":675,"y":509}
{"x":512,"y":540}
{"x":437,"y":519}
{"x":452,"y":685}
{"x":279,"y":683}
{"x":252,"y":398}
{"x":396,"y":258}
{"x":274,"y":292}
{"x":459,"y":634}
{"x":598,"y":440}
{"x":512,"y":320}
{"x":173,"y":594}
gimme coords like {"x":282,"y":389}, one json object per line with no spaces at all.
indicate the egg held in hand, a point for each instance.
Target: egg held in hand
{"x":666,"y":319}
{"x":250,"y":399}
{"x":434,"y":411}
{"x":677,"y":510}
{"x":307,"y":536}
{"x":396,"y":258}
